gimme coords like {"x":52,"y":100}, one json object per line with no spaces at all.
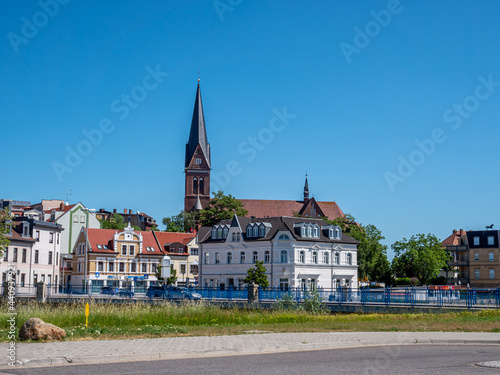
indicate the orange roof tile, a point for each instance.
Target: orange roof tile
{"x":455,"y":238}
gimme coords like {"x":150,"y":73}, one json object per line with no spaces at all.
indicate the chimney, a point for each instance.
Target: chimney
{"x":114,"y":210}
{"x":61,"y":206}
{"x":124,"y":210}
{"x":129,"y":211}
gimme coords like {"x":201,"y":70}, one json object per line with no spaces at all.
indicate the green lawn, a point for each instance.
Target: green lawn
{"x":110,"y":321}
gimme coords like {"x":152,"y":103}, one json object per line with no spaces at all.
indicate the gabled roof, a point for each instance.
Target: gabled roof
{"x":106,"y":237}
{"x":455,"y":238}
{"x":281,"y":223}
{"x":163,"y":238}
{"x":198,"y":132}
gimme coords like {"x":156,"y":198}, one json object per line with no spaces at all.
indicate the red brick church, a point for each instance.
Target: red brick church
{"x":197,"y":183}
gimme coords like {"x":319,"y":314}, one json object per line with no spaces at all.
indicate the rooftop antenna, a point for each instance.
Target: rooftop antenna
{"x":68,"y":193}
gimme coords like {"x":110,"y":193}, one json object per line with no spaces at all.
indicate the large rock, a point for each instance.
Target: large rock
{"x":37,"y":329}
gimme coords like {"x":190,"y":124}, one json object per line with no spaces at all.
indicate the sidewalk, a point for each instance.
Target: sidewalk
{"x":100,"y":351}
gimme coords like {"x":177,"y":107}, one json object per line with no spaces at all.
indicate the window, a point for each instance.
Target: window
{"x":491,"y":257}
{"x":24,"y":256}
{"x":144,"y":268}
{"x":249,"y":231}
{"x":121,"y":267}
{"x":242,"y":257}
{"x":349,"y":259}
{"x":219,"y":232}
{"x":75,"y":219}
{"x":100,"y":266}
{"x":315,"y":257}
{"x":214,"y":233}
{"x":132,"y":250}
{"x":267,"y":257}
{"x":476,"y":241}
{"x":316,"y":232}
{"x":82,"y":218}
{"x":197,"y":161}
{"x":49,"y":277}
{"x":238,"y":237}
{"x":476,"y":274}
{"x":111,"y":267}
{"x":476,"y":257}
{"x":57,"y":243}
{"x":283,"y":237}
{"x":225,"y":231}
{"x":153,"y":268}
{"x":492,"y":274}
{"x":255,"y":257}
{"x":57,"y":260}
{"x":99,"y":247}
{"x":330,"y":233}
{"x":491,"y":240}
{"x":194,"y":251}
{"x":202,"y":186}
{"x":124,"y":249}
{"x":284,"y":256}
{"x":302,"y":257}
{"x":326,"y":258}
{"x":303,"y":231}
{"x":37,"y":235}
{"x":6,"y":255}
{"x":233,"y":237}
{"x":51,"y":237}
{"x":193,"y":268}
{"x":50,"y":257}
{"x":309,"y":232}
{"x":262,"y":230}
{"x":229,"y":257}
{"x":336,"y":258}
{"x":207,"y":257}
{"x":217,"y":258}
{"x":183,"y":268}
{"x":36,"y":256}
{"x":14,"y":257}
{"x":23,"y":277}
{"x":283,"y":284}
{"x":25,"y":229}
{"x":195,"y":185}
{"x":133,"y":267}
{"x":255,"y":231}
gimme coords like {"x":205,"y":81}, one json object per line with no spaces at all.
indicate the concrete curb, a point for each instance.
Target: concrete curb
{"x":293,"y":347}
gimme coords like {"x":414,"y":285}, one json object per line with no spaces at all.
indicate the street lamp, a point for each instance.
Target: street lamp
{"x":87,"y":210}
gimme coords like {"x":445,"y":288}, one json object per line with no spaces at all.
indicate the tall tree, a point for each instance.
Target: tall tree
{"x":422,"y":256}
{"x":183,"y":222}
{"x":257,"y":275}
{"x":372,"y":254}
{"x":5,"y":228}
{"x":221,"y":207}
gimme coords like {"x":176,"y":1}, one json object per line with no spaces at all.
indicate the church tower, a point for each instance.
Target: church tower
{"x":197,"y":166}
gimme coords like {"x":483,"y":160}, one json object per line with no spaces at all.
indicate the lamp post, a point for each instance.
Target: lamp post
{"x":87,"y":211}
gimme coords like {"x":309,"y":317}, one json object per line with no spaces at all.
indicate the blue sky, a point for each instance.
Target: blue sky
{"x":392,"y":107}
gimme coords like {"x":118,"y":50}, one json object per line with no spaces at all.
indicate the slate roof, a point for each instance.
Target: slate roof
{"x":281,"y":223}
{"x":198,"y":132}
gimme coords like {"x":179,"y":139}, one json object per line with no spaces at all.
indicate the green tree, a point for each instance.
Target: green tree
{"x":114,"y":222}
{"x":171,"y":280}
{"x":5,"y":228}
{"x":422,"y":256}
{"x":257,"y":275}
{"x":221,"y":207}
{"x":372,"y":254}
{"x":183,"y":222}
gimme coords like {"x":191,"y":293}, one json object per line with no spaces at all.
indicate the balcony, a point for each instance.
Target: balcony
{"x":458,"y":263}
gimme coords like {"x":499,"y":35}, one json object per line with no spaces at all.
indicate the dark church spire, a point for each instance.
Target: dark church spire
{"x":198,"y":133}
{"x":306,"y":190}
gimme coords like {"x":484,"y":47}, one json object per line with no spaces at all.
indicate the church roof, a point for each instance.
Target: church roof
{"x":198,"y":133}
{"x":273,"y":208}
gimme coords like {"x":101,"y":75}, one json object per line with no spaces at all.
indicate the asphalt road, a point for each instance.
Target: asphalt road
{"x":407,"y":359}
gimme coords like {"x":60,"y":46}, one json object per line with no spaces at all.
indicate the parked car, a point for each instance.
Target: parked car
{"x":172,"y":292}
{"x":113,"y":291}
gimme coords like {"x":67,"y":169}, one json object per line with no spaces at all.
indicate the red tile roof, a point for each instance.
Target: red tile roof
{"x":169,"y":237}
{"x":454,"y":239}
{"x":105,"y":237}
{"x":274,"y":208}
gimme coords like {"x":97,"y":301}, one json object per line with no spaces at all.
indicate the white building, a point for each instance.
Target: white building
{"x":297,"y":253}
{"x":34,"y":252}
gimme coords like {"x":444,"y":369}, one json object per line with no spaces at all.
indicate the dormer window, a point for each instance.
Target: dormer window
{"x":214,"y":233}
{"x":316,"y":231}
{"x":249,"y":230}
{"x":225,"y":231}
{"x":303,"y":231}
{"x":262,"y":230}
{"x":255,"y":231}
{"x":309,"y":231}
{"x":219,"y":232}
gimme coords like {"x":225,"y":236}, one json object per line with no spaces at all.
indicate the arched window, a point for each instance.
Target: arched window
{"x":207,"y":257}
{"x":349,"y":259}
{"x":225,"y":231}
{"x":284,"y":256}
{"x":283,"y":237}
{"x":267,"y":256}
{"x":202,"y":186}
{"x":195,"y":185}
{"x":249,"y":231}
{"x":336,"y":259}
{"x":255,"y":256}
{"x":242,"y":257}
{"x":217,"y":258}
{"x":302,"y":256}
{"x":238,"y":237}
{"x":255,"y":231}
{"x":315,"y":257}
{"x":233,"y":237}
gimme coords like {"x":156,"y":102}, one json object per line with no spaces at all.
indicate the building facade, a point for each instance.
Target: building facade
{"x":484,"y":258}
{"x":108,"y":257}
{"x":297,"y":253}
